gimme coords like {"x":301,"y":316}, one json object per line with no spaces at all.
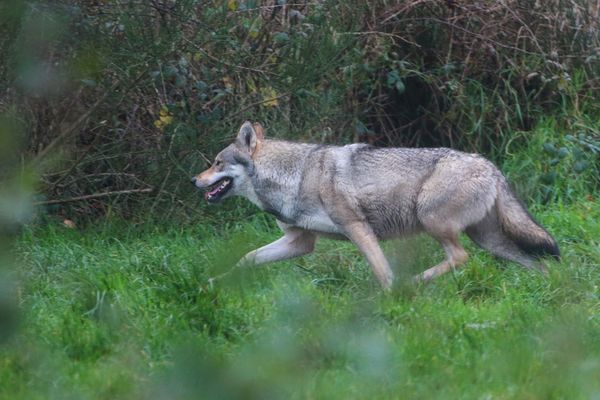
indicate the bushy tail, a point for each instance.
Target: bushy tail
{"x":520,"y":226}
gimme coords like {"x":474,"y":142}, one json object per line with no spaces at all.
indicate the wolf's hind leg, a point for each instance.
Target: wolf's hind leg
{"x":455,"y":257}
{"x":294,"y":243}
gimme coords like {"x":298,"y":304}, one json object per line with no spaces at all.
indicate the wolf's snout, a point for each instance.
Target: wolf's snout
{"x":193,"y":180}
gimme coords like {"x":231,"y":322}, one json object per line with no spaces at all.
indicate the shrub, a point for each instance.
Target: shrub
{"x":120,"y":97}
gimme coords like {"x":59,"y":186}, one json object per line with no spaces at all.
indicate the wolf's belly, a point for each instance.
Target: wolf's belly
{"x":317,"y":222}
{"x":393,"y":225}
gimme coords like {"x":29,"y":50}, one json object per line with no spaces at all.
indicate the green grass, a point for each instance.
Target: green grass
{"x":115,"y":310}
{"x":123,"y":311}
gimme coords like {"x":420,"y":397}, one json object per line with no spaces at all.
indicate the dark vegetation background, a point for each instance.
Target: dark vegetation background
{"x":123,"y":101}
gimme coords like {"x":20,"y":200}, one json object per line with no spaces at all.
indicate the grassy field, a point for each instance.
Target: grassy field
{"x":118,"y":310}
{"x":123,"y":311}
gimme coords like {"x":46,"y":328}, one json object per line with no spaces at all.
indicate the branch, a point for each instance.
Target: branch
{"x":92,"y":196}
{"x":258,"y":103}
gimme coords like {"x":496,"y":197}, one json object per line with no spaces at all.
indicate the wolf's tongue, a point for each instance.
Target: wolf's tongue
{"x":217,"y":189}
{"x":214,"y":191}
{"x":210,"y":194}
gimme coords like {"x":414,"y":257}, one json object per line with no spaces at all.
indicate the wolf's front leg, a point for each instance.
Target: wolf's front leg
{"x":362,"y":235}
{"x":294,"y":243}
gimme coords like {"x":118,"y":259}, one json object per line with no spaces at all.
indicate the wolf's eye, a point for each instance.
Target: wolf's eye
{"x":218,"y":163}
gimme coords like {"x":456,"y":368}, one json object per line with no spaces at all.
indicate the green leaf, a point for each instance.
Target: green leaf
{"x":361,"y":129}
{"x":448,"y":68}
{"x":549,"y":177}
{"x":549,"y":148}
{"x":201,"y":85}
{"x":281,"y":37}
{"x":171,"y":71}
{"x":580,"y":166}
{"x":563,"y":152}
{"x":392,"y":78}
{"x":89,"y":82}
{"x":400,"y":87}
{"x":180,"y":81}
{"x":578,"y":154}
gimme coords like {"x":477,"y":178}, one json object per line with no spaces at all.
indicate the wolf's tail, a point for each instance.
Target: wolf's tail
{"x":520,"y":226}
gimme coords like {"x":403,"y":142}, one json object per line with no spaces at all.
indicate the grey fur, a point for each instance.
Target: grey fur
{"x":364,"y":194}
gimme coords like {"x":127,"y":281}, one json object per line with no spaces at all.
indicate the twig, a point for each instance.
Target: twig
{"x":78,"y":161}
{"x":160,"y":190}
{"x":403,"y":9}
{"x":276,"y":6}
{"x":92,"y":196}
{"x":392,"y":35}
{"x":238,"y":112}
{"x":218,"y":60}
{"x":474,"y":34}
{"x":100,"y":174}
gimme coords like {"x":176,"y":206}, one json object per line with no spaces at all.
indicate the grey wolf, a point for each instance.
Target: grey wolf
{"x":365,"y":193}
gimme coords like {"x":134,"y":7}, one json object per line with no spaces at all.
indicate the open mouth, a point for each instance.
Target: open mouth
{"x":218,"y":190}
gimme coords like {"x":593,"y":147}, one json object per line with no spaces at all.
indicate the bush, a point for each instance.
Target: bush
{"x":117,"y":98}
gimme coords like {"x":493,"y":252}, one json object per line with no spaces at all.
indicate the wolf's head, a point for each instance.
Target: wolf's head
{"x":233,"y":167}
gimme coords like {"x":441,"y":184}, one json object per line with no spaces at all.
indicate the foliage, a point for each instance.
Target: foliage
{"x":117,"y":96}
{"x":553,"y":165}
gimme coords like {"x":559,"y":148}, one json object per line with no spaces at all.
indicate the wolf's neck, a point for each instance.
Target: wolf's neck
{"x":278,"y":169}
{"x":280,"y":160}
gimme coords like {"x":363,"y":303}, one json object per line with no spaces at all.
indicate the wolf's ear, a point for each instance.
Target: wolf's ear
{"x":260,"y":131}
{"x":249,"y":135}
